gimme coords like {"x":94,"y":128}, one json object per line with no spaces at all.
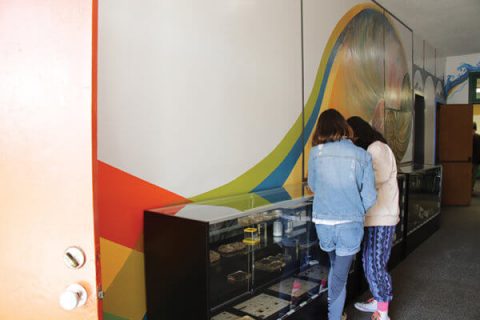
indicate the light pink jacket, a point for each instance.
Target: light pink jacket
{"x":386,"y":211}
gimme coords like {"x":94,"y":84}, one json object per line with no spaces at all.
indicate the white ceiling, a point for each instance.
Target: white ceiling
{"x":452,"y":26}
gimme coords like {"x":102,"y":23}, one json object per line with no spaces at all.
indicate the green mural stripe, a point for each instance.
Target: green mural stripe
{"x":109,"y":316}
{"x":249,"y":180}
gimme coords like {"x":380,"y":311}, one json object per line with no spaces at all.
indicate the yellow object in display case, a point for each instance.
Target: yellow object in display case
{"x":250,"y":236}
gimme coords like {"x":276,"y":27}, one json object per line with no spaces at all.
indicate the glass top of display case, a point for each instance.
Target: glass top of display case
{"x":227,"y":208}
{"x":411,"y":168}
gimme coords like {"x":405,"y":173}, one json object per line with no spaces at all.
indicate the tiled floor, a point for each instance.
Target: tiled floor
{"x":440,"y":280}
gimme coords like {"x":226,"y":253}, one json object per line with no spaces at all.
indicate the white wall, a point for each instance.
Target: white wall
{"x":429,"y":58}
{"x":418,"y":50}
{"x":194,"y":93}
{"x":440,"y":64}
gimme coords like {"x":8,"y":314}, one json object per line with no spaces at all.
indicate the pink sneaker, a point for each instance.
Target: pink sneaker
{"x":379,"y":315}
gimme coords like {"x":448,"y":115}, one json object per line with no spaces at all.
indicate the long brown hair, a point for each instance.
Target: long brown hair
{"x":331,"y":127}
{"x":364,"y":133}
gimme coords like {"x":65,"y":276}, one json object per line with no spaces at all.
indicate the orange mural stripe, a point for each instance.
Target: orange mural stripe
{"x":122,"y":198}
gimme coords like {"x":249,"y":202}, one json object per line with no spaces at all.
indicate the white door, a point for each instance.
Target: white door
{"x":46,"y":193}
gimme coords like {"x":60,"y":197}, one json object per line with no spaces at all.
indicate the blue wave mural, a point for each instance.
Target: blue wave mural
{"x":454,"y":80}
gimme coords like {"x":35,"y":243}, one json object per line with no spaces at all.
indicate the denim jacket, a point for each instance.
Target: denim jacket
{"x":341,"y":177}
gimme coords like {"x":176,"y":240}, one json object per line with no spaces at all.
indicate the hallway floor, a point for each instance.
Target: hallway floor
{"x":440,"y":280}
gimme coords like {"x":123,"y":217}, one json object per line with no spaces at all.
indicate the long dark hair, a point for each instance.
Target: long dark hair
{"x":364,"y":134}
{"x":331,"y":127}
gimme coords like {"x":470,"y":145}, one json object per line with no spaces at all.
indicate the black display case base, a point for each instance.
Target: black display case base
{"x":421,"y":234}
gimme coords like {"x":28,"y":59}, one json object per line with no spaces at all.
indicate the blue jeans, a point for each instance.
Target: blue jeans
{"x":342,"y":242}
{"x":344,"y":239}
{"x":337,"y":282}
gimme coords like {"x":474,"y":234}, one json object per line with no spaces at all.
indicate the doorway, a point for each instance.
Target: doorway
{"x":419,"y":130}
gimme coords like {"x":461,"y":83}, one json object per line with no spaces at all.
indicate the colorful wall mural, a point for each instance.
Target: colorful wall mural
{"x":457,"y":71}
{"x":203,"y":101}
{"x":379,"y":92}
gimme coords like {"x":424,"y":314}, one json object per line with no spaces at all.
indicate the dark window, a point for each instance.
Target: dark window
{"x":474,"y":87}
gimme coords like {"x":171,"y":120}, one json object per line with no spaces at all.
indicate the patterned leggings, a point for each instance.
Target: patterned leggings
{"x":377,"y":247}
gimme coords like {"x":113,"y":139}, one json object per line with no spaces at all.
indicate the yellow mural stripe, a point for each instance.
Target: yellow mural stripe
{"x":329,"y":88}
{"x":325,"y":105}
{"x":309,"y":106}
{"x":113,"y":258}
{"x":126,"y":296}
{"x":295,"y":176}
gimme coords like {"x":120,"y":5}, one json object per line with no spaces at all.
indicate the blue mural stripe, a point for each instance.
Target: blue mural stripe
{"x":279,"y":195}
{"x":453,"y":83}
{"x":281,"y":173}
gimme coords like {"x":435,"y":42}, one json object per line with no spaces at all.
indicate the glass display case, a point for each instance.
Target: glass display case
{"x":424,"y":195}
{"x":256,"y":255}
{"x":402,"y":187}
{"x":252,"y":256}
{"x":399,"y":238}
{"x":424,"y":202}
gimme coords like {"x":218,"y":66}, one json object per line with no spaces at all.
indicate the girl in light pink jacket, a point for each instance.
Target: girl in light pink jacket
{"x":380,"y":220}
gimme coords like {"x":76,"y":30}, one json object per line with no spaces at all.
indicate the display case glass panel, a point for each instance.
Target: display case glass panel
{"x":424,"y":195}
{"x":282,"y":263}
{"x":402,"y":184}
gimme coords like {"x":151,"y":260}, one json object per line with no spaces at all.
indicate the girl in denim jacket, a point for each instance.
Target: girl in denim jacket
{"x":341,"y":177}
